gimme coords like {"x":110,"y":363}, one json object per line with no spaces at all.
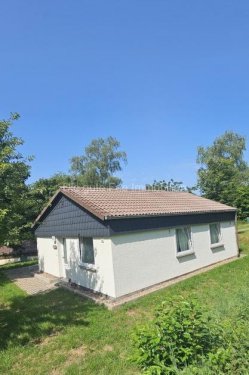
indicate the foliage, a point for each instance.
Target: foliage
{"x":230,"y":359}
{"x":180,"y":335}
{"x":223,"y":168}
{"x":100,"y":161}
{"x":14,"y":171}
{"x":170,"y":185}
{"x":183,"y":339}
{"x":41,"y":191}
{"x":242,"y":201}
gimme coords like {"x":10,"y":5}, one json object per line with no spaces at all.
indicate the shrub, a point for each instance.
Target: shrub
{"x":181,"y":335}
{"x":237,"y":343}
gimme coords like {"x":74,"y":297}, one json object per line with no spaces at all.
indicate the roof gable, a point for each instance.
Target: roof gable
{"x":65,"y":218}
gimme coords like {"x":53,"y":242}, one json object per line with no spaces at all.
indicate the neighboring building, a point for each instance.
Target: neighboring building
{"x":120,"y":241}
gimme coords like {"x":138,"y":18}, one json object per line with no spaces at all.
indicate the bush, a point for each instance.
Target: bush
{"x":181,"y":335}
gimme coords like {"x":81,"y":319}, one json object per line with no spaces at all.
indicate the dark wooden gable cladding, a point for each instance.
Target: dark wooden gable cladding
{"x":65,"y":218}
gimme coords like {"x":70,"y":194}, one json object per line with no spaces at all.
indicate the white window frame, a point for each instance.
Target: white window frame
{"x":190,"y":251}
{"x":90,"y":266}
{"x":220,"y":242}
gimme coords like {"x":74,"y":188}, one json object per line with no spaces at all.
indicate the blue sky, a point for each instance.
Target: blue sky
{"x":161,"y":76}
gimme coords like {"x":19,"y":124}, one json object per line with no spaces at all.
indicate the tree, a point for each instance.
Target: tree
{"x":95,"y":168}
{"x":223,"y":168}
{"x":170,"y":185}
{"x":40,"y":192}
{"x":14,"y":171}
{"x":242,"y":202}
{"x":100,"y":161}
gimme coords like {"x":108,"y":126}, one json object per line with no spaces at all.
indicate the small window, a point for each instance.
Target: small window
{"x":65,"y":250}
{"x":215,"y":235}
{"x":183,"y":239}
{"x":86,"y":250}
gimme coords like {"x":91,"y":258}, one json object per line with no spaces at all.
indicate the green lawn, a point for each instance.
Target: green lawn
{"x":243,"y":230}
{"x":61,"y":333}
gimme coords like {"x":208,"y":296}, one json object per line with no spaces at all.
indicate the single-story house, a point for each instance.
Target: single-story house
{"x":116,"y":241}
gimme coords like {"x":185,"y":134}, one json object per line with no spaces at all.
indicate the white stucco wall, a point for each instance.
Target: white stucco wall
{"x":51,"y":261}
{"x":147,"y":258}
{"x":48,"y":257}
{"x":130,"y":262}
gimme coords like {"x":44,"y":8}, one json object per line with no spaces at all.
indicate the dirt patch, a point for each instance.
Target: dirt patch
{"x":133,"y":313}
{"x":108,"y":348}
{"x":78,"y":352}
{"x":123,"y":355}
{"x":73,"y":356}
{"x":45,"y":341}
{"x":55,"y":371}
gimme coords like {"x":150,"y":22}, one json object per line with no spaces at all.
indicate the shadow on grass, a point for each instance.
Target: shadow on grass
{"x":25,"y":319}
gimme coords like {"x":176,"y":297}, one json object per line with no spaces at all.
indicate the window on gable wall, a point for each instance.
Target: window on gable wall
{"x":183,"y":239}
{"x":215,"y":234}
{"x":86,"y":250}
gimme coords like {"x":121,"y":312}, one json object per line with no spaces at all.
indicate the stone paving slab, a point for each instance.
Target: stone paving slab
{"x":46,"y":277}
{"x":24,"y":278}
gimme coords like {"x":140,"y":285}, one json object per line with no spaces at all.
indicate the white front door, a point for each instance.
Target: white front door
{"x":63,"y":257}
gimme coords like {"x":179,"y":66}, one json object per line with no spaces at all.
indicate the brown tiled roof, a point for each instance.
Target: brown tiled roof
{"x":119,"y":203}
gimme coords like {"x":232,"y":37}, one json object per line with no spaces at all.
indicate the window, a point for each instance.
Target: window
{"x":65,"y":250}
{"x":86,"y":250}
{"x":183,"y":239}
{"x":215,"y":235}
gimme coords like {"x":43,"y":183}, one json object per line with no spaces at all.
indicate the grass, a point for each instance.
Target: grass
{"x":60,"y":333}
{"x":243,"y":230}
{"x":243,"y":226}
